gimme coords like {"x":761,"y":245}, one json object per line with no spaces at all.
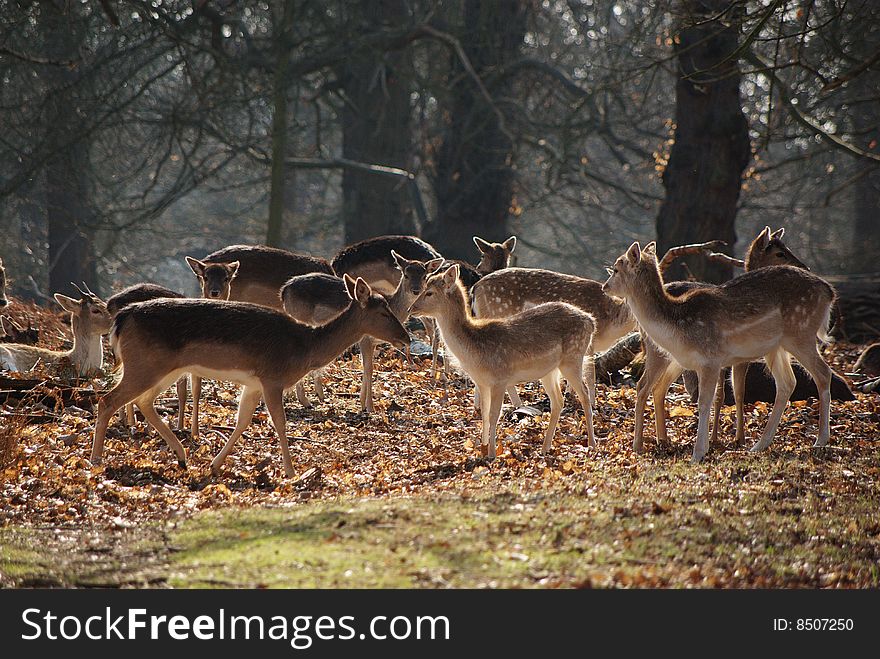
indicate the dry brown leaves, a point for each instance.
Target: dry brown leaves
{"x":421,"y":440}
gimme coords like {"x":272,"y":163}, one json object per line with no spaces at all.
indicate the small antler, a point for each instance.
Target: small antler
{"x":675,"y":253}
{"x":724,"y":258}
{"x":87,"y":293}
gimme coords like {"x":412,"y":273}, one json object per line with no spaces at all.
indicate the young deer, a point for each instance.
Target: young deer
{"x":251,"y":273}
{"x":513,"y":290}
{"x":543,"y":343}
{"x":89,"y":319}
{"x":142,"y":293}
{"x":772,"y":312}
{"x":661,"y":371}
{"x":493,"y":256}
{"x":316,"y":298}
{"x":260,"y":348}
{"x":372,"y":260}
{"x":247,"y":273}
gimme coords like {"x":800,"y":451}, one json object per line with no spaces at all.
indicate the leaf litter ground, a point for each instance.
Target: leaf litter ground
{"x":401,"y":498}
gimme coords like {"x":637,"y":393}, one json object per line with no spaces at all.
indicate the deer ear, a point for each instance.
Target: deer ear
{"x":450,"y":276}
{"x":362,"y":291}
{"x":764,"y":237}
{"x":482,"y":245}
{"x":67,"y":303}
{"x":634,"y":253}
{"x":434,"y":265}
{"x":777,"y":235}
{"x":232,"y":268}
{"x":510,"y":244}
{"x":349,"y":284}
{"x":196,"y":266}
{"x":399,"y":261}
{"x":651,"y":248}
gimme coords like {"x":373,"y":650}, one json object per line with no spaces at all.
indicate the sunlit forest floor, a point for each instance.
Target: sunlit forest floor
{"x":401,"y":498}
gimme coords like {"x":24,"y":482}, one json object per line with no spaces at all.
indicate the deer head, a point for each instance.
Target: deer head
{"x":88,"y":315}
{"x":768,"y":249}
{"x":627,"y":268}
{"x":215,"y":279}
{"x":494,"y":256}
{"x":379,"y":322}
{"x":414,"y":273}
{"x":439,"y":287}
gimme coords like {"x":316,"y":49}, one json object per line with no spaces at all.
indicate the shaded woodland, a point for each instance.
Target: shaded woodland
{"x":139,"y":132}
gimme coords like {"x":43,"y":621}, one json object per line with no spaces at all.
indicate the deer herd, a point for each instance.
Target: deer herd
{"x":267,"y":318}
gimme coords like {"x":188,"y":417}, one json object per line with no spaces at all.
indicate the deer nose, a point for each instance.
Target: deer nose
{"x":214,"y":294}
{"x":3,"y":302}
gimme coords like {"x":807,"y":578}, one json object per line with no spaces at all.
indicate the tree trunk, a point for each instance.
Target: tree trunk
{"x":69,"y":214}
{"x":711,"y":148}
{"x":376,"y":129}
{"x":279,"y":127}
{"x":474,"y":177}
{"x":866,"y":122}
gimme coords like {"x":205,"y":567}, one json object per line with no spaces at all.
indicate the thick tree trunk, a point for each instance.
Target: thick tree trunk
{"x":711,"y":148}
{"x":377,"y":129}
{"x":474,"y":174}
{"x":68,"y":192}
{"x":866,"y":121}
{"x":279,"y":127}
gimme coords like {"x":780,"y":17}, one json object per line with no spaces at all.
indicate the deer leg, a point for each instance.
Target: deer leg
{"x":301,"y":395}
{"x":318,"y":380}
{"x":493,"y":408}
{"x":552,"y":387}
{"x":366,"y":345}
{"x":661,"y":388}
{"x":181,"y":401}
{"x":706,"y":375}
{"x":146,"y":404}
{"x":573,"y":374}
{"x":130,"y":387}
{"x":247,"y":404}
{"x":719,"y":403}
{"x":128,"y":413}
{"x":588,"y":366}
{"x":197,"y":394}
{"x":515,"y":400}
{"x":812,"y":360}
{"x":655,"y":367}
{"x":434,"y":339}
{"x":738,"y":381}
{"x":275,"y":403}
{"x":780,"y":366}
